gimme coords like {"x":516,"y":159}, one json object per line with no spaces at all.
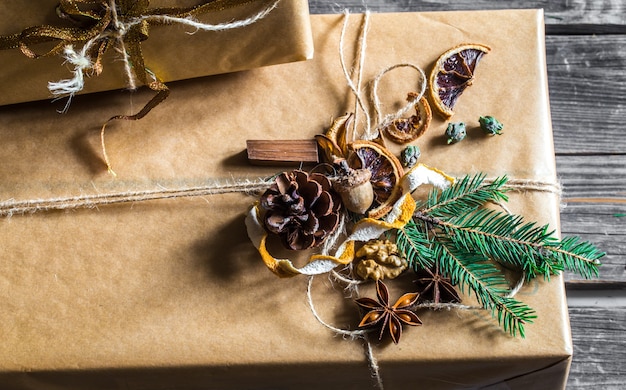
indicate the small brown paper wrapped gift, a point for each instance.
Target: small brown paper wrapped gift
{"x":171,"y":52}
{"x":171,"y":294}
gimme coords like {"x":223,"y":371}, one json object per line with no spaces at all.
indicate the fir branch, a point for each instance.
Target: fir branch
{"x":504,"y":238}
{"x":471,"y":271}
{"x":456,"y":214}
{"x":534,"y":249}
{"x":579,"y":256}
{"x":465,"y":195}
{"x":414,"y":244}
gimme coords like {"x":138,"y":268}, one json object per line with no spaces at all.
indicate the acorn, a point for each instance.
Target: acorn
{"x":354,"y":187}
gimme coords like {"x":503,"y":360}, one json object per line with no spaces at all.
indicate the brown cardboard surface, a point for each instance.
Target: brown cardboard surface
{"x":170,"y":51}
{"x":171,"y":294}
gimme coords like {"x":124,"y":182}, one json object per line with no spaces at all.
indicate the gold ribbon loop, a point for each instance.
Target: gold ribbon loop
{"x":69,"y":10}
{"x":66,"y":36}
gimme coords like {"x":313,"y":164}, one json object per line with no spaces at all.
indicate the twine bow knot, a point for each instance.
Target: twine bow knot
{"x":101,"y":24}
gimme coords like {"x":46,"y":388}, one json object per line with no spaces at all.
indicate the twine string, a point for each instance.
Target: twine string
{"x":120,"y":29}
{"x":370,"y":133}
{"x":384,"y":121}
{"x":352,"y":335}
{"x":199,"y":26}
{"x":13,"y":207}
{"x":526,"y":185}
{"x":362,"y":44}
{"x":347,"y":74}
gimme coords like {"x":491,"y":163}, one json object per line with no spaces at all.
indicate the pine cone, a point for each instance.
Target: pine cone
{"x":302,"y":209}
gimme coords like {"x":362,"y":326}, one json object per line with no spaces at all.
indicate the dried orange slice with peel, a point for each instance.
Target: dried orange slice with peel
{"x":386,"y":172}
{"x":452,"y":73}
{"x":405,"y":130}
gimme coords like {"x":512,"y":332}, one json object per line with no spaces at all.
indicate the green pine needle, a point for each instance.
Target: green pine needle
{"x":415,"y":245}
{"x":505,"y":238}
{"x":473,"y":273}
{"x":466,"y":195}
{"x":578,"y":256}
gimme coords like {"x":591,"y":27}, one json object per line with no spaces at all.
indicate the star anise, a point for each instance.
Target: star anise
{"x":384,"y":316}
{"x":435,"y":287}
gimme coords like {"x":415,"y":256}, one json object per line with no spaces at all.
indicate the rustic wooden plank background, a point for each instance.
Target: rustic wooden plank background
{"x":586,"y":56}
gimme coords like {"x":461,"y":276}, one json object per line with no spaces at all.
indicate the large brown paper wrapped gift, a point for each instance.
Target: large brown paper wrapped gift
{"x":172,"y":294}
{"x":284,"y":35}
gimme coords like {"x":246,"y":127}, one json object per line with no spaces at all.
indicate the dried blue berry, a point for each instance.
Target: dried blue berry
{"x":490,"y":125}
{"x":456,"y":132}
{"x":410,"y":155}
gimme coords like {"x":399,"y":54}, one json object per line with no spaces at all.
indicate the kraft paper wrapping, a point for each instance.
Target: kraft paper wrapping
{"x":284,"y":35}
{"x":171,"y":294}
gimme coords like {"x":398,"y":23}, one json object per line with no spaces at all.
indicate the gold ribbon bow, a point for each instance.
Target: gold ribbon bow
{"x":107,"y":21}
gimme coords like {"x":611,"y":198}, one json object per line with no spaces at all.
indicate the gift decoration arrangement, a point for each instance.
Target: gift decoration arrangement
{"x":450,"y":239}
{"x":357,"y":208}
{"x":369,"y":219}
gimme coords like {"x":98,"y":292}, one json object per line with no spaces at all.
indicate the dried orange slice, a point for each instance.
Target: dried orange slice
{"x":405,"y":130}
{"x":452,"y":73}
{"x":386,"y":173}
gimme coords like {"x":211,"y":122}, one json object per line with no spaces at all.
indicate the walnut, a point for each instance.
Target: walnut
{"x":379,"y":259}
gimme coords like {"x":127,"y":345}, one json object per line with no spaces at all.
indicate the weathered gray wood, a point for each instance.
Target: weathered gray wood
{"x":594,"y":285}
{"x":594,"y":176}
{"x":599,"y":348}
{"x":562,"y":17}
{"x":587,"y":82}
{"x":595,"y":198}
